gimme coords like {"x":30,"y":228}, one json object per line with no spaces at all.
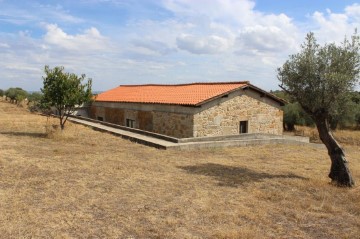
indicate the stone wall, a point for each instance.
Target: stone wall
{"x":224,"y":118}
{"x":145,"y":119}
{"x":111,"y":115}
{"x":173,"y":124}
{"x":178,"y":125}
{"x":96,"y":111}
{"x":115,"y":116}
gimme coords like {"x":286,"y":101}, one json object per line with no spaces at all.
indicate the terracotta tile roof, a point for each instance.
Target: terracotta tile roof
{"x":184,"y":94}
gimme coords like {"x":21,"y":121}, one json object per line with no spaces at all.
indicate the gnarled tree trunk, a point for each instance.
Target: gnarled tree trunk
{"x":339,"y":171}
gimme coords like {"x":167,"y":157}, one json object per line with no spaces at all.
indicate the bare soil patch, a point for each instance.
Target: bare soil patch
{"x":82,"y":183}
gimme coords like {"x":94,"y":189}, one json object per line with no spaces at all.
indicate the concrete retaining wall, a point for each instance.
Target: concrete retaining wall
{"x":233,"y":143}
{"x":166,"y":142}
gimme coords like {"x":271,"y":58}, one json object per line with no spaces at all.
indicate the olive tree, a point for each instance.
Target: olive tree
{"x":64,"y":91}
{"x":318,"y":78}
{"x":16,"y":95}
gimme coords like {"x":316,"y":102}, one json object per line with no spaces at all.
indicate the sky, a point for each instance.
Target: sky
{"x":120,"y":42}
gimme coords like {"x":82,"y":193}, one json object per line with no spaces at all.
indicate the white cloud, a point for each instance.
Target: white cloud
{"x":90,"y":39}
{"x":263,"y":39}
{"x":16,"y":16}
{"x":17,"y":67}
{"x":152,"y":47}
{"x":228,"y":11}
{"x":33,"y":13}
{"x":59,"y":15}
{"x":332,"y":27}
{"x":4,"y":45}
{"x":353,"y":11}
{"x":216,"y":26}
{"x":202,"y":45}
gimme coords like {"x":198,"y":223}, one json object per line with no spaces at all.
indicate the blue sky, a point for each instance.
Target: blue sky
{"x":117,"y":42}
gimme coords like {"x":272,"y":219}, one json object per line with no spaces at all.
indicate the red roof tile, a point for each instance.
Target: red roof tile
{"x":185,"y":94}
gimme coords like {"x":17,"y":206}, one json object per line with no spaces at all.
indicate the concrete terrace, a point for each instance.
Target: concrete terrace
{"x":167,"y":142}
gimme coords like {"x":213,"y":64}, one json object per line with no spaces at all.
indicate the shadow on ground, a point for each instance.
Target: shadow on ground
{"x":234,"y":176}
{"x":29,"y":134}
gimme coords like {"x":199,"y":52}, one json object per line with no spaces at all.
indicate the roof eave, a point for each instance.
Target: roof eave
{"x":154,"y":103}
{"x":271,"y":96}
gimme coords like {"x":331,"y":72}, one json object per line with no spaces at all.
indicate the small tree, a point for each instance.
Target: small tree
{"x":11,"y":94}
{"x":64,"y":91}
{"x":293,"y":113}
{"x":292,"y":116}
{"x":16,"y":95}
{"x":20,"y":95}
{"x":319,"y":77}
{"x":355,"y":98}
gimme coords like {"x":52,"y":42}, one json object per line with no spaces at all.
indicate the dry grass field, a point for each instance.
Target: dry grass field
{"x":87,"y":184}
{"x":346,"y":137}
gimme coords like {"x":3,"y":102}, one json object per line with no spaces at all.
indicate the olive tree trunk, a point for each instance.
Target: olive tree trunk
{"x":339,"y":171}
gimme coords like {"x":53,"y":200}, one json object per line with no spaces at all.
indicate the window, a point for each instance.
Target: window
{"x":100,"y":118}
{"x":243,"y":127}
{"x":130,"y":123}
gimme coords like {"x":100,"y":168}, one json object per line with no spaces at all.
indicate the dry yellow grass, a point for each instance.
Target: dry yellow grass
{"x":346,"y":137}
{"x":87,"y":184}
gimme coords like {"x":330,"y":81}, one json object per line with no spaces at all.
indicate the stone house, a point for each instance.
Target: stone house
{"x":192,"y":110}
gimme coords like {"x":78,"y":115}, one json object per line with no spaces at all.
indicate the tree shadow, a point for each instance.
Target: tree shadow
{"x":29,"y":134}
{"x":234,"y":176}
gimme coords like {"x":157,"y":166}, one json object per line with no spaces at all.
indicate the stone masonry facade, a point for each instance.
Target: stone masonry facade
{"x":224,"y":118}
{"x":178,"y":125}
{"x":173,"y":124}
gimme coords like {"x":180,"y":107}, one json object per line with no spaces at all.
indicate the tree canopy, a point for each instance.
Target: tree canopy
{"x":347,"y":117}
{"x":320,"y":78}
{"x":64,"y":91}
{"x":16,"y":94}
